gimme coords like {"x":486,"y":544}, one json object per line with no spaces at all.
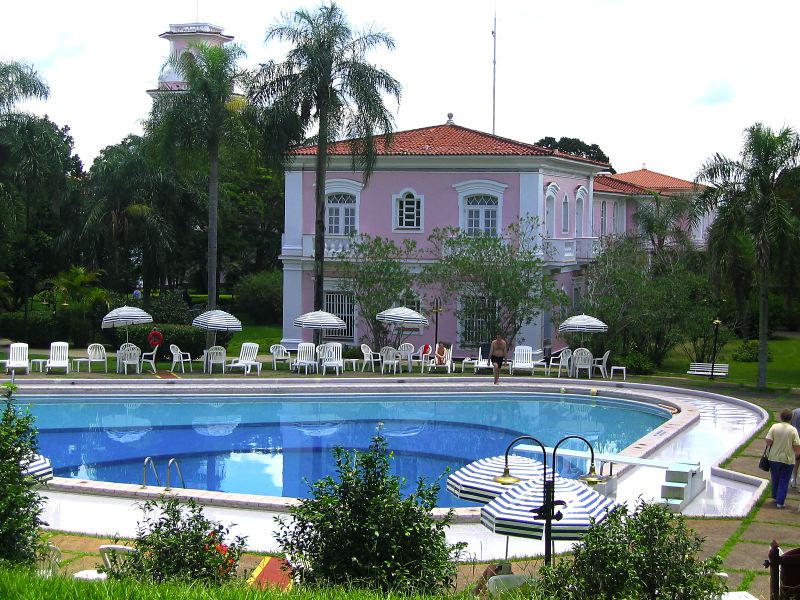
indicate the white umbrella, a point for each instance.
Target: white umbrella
{"x":402,"y":315}
{"x":475,"y":481}
{"x":582,"y":324}
{"x":124,"y":316}
{"x":319,"y":319}
{"x":512,"y":513}
{"x":217,"y":320}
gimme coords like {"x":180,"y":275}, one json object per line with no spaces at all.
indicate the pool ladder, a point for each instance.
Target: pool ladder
{"x":172,"y":461}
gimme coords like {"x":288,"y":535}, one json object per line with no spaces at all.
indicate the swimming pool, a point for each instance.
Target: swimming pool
{"x":274,"y":444}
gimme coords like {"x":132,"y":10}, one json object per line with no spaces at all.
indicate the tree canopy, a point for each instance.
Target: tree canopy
{"x":577,"y":147}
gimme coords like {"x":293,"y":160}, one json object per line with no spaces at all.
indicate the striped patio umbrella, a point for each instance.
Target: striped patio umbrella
{"x":217,"y":320}
{"x":582,"y":324}
{"x":124,"y":316}
{"x":475,"y":481}
{"x":39,"y":468}
{"x":511,"y":513}
{"x":402,"y":315}
{"x":319,"y":319}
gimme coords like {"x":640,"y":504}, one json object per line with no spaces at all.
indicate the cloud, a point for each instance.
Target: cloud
{"x":718,"y":92}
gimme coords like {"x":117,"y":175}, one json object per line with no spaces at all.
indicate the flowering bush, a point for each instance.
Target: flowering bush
{"x":176,"y":542}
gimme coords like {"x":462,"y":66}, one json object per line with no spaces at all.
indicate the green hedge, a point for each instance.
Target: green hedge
{"x":187,"y":338}
{"x":42,"y":328}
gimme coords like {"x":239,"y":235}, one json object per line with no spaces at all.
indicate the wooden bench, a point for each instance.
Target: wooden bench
{"x":720,"y":369}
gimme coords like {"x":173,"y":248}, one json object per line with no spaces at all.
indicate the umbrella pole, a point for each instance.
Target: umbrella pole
{"x":508,"y":537}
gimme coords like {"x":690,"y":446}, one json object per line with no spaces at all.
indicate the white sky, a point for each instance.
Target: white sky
{"x":662,"y":83}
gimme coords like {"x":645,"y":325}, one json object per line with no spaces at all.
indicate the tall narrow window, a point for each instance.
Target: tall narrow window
{"x":480,"y":214}
{"x":549,"y":217}
{"x":342,"y":305}
{"x":565,"y":214}
{"x":408,"y":212}
{"x":602,"y":218}
{"x":473,"y":324}
{"x":340,"y":214}
{"x":579,"y":217}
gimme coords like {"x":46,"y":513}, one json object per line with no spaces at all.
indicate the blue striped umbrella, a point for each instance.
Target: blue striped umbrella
{"x":39,"y":468}
{"x":511,"y":513}
{"x":475,"y":481}
{"x":319,"y":319}
{"x":217,"y":320}
{"x":582,"y":324}
{"x":124,"y":316}
{"x":402,"y":316}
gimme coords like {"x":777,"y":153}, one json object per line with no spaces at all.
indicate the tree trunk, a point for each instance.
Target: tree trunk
{"x":213,"y":201}
{"x":763,"y":330}
{"x":319,"y":221}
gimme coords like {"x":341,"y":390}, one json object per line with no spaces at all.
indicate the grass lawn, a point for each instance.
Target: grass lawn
{"x":782,"y":372}
{"x":263,"y":335}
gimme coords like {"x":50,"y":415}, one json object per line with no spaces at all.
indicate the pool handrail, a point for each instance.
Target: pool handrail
{"x":174,"y":461}
{"x":149,"y":460}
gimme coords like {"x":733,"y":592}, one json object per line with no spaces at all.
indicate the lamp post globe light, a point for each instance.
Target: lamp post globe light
{"x":548,"y":511}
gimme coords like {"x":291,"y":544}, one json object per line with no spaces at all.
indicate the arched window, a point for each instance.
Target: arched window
{"x":551,"y":192}
{"x":565,"y":214}
{"x":579,"y":217}
{"x":407,"y":208}
{"x":603,"y":218}
{"x":340,"y":209}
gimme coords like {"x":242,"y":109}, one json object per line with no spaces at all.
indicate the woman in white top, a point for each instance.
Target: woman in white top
{"x":784,"y":447}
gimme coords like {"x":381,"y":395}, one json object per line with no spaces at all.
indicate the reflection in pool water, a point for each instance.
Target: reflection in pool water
{"x":276,"y":445}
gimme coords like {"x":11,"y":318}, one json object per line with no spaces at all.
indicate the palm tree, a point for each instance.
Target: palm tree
{"x":661,"y":219}
{"x":326,"y":80}
{"x":201,"y":117}
{"x":19,"y":81}
{"x":749,"y":187}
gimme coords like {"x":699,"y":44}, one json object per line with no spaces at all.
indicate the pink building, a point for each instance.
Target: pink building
{"x":439,"y":176}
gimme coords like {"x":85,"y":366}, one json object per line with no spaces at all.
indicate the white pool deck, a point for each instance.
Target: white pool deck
{"x":723,"y":424}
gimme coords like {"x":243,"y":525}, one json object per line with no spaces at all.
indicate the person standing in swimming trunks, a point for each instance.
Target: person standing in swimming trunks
{"x":497,"y":355}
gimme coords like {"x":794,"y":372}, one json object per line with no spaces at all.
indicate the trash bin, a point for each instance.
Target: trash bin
{"x":784,"y":573}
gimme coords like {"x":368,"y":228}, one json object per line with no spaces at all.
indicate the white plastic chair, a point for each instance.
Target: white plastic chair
{"x":216,"y":355}
{"x":370,"y":358}
{"x":18,"y":358}
{"x":305,"y":357}
{"x":59,"y":357}
{"x":406,"y":350}
{"x":128,"y":356}
{"x":96,"y":353}
{"x":476,"y":363}
{"x":179,"y":357}
{"x":390,"y":358}
{"x":523,"y":359}
{"x":446,"y":365}
{"x":422,"y":356}
{"x":149,"y":358}
{"x":332,"y":358}
{"x":582,"y":359}
{"x":247,"y":359}
{"x":279,"y":354}
{"x":601,"y":364}
{"x":562,"y":359}
{"x":107,"y":552}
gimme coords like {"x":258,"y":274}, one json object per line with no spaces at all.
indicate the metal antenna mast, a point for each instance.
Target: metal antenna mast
{"x":494,"y":69}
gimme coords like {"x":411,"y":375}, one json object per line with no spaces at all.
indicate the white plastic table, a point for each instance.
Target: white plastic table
{"x":38,"y":361}
{"x":353,"y":363}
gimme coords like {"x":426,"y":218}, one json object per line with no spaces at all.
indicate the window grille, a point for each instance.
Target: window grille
{"x":603,"y":218}
{"x":409,"y":212}
{"x":474,"y":325}
{"x":481,"y":214}
{"x":342,"y":305}
{"x":341,"y":214}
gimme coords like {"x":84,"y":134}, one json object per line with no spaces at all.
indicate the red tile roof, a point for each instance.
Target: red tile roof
{"x":448,"y":140}
{"x":655,"y":181}
{"x":612,"y":185}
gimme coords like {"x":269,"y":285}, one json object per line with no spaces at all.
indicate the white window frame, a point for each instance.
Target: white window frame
{"x":461,"y":327}
{"x":565,"y":214}
{"x":550,"y":210}
{"x":581,"y":201}
{"x":401,"y":197}
{"x":343,"y":186}
{"x":479,"y":187}
{"x":603,"y":213}
{"x":348,"y":317}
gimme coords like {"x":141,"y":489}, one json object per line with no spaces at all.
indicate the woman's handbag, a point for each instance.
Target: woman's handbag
{"x":763,"y":462}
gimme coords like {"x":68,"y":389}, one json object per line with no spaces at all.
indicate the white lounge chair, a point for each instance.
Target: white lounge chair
{"x":59,"y":357}
{"x":370,"y":358}
{"x":178,"y":357}
{"x":18,"y":358}
{"x":108,"y":552}
{"x":305,"y":358}
{"x":582,"y":360}
{"x":331,"y":358}
{"x":601,"y":364}
{"x":216,"y":355}
{"x":525,"y":358}
{"x":447,"y":365}
{"x":422,"y":356}
{"x":149,"y":358}
{"x":128,"y":356}
{"x":560,"y":360}
{"x":390,"y":358}
{"x":477,"y":363}
{"x":247,"y":359}
{"x":96,"y":353}
{"x":279,"y":354}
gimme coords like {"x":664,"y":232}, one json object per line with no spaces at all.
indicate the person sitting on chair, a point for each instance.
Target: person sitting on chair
{"x":441,"y":354}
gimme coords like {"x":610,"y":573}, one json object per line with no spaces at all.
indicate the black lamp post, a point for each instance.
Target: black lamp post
{"x":547,"y":511}
{"x":717,"y":323}
{"x":437,"y":308}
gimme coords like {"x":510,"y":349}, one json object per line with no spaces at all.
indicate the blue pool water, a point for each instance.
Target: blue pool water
{"x":276,"y":445}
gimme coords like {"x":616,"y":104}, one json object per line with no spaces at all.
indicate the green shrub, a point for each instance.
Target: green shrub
{"x":43,"y":328}
{"x":748,"y":352}
{"x":260,"y":295}
{"x":649,"y":553}
{"x":20,"y":503}
{"x":637,"y":363}
{"x":176,"y":542}
{"x":170,"y":307}
{"x":359,"y":530}
{"x":187,"y":338}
